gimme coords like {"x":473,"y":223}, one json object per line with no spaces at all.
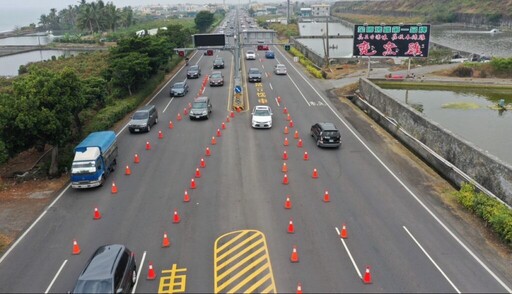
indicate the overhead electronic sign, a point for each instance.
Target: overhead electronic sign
{"x":205,"y":40}
{"x":401,"y":40}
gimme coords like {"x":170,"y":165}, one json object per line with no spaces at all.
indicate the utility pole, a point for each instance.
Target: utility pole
{"x":327,"y":41}
{"x":288,"y":12}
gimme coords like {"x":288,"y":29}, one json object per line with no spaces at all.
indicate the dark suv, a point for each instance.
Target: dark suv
{"x":201,"y":108}
{"x":254,"y":75}
{"x":111,"y":269}
{"x":193,"y":72}
{"x":143,"y":119}
{"x":218,"y":63}
{"x":326,"y":134}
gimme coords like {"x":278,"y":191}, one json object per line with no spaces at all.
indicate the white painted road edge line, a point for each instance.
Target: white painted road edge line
{"x":432,"y":260}
{"x":477,"y":259}
{"x":33,"y":224}
{"x":297,"y":87}
{"x":138,"y":273}
{"x":349,"y":255}
{"x":56,"y":276}
{"x":168,"y":104}
{"x":270,"y":85}
{"x":277,"y":102}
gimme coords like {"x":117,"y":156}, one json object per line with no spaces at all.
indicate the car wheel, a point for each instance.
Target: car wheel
{"x":102,"y":181}
{"x":156,"y":120}
{"x":148,"y":128}
{"x":318,"y":143}
{"x":134,"y":277}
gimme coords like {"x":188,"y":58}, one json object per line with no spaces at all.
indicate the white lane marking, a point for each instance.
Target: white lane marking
{"x":270,"y":85}
{"x":266,"y":74}
{"x":168,"y":104}
{"x":55,"y":277}
{"x":262,"y":66}
{"x":476,"y":258}
{"x":431,"y":259}
{"x":33,"y":224}
{"x":277,"y":102}
{"x":349,"y":255}
{"x":138,"y":273}
{"x":297,"y":87}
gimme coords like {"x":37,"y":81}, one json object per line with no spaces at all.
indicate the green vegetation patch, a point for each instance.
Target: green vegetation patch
{"x":461,"y":105}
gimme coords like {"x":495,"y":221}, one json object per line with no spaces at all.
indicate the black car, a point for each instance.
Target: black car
{"x":254,"y":75}
{"x":326,"y":134}
{"x":179,"y":89}
{"x":193,"y":72}
{"x":218,"y":63}
{"x":111,"y":269}
{"x":216,"y":79}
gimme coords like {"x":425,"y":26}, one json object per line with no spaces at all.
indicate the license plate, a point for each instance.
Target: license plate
{"x":136,"y":130}
{"x":198,"y":116}
{"x":331,"y":140}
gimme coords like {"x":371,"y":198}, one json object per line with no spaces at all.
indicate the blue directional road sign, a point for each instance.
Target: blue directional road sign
{"x":238,"y":89}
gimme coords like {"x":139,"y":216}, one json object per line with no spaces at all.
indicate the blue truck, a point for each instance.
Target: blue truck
{"x":95,"y":158}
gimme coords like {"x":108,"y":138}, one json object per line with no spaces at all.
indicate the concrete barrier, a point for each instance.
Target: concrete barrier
{"x":453,"y":157}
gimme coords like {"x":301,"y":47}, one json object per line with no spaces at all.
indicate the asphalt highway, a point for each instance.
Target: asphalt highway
{"x":233,"y":236}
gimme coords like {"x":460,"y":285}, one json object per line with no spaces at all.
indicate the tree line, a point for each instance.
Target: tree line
{"x":90,"y":17}
{"x":50,"y":107}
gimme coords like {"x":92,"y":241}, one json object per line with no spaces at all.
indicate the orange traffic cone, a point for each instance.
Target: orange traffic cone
{"x":202,"y":163}
{"x":136,"y":158}
{"x":76,"y":248}
{"x":185,"y":111}
{"x":286,"y":131}
{"x":227,"y":119}
{"x":344,"y":233}
{"x":306,"y":156}
{"x":198,"y":173}
{"x":367,"y":279}
{"x":223,"y":126}
{"x":285,"y":168}
{"x":295,"y":256}
{"x":171,"y":125}
{"x":285,"y":142}
{"x":232,"y":113}
{"x":186,"y":197}
{"x":214,"y":141}
{"x":97,"y":214}
{"x":189,"y":105}
{"x":148,"y":146}
{"x":285,"y":179}
{"x":288,"y":203}
{"x":299,"y":288}
{"x":238,"y":109}
{"x":176,"y":219}
{"x":299,"y":144}
{"x":285,"y":111}
{"x":327,"y":198}
{"x":296,"y":134}
{"x":278,"y":99}
{"x":151,"y":272}
{"x":219,"y":133}
{"x":114,"y":188}
{"x":127,"y":171}
{"x":165,"y":241}
{"x":288,"y":117}
{"x":160,"y":135}
{"x":285,"y":155}
{"x":208,"y":152}
{"x":315,"y":174}
{"x":192,"y":184}
{"x":291,"y":227}
{"x":291,"y":123}
{"x":178,"y":117}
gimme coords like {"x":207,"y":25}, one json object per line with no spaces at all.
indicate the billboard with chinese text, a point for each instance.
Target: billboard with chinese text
{"x":404,"y":40}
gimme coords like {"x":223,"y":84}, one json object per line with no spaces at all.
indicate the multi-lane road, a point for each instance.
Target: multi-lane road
{"x":233,"y":236}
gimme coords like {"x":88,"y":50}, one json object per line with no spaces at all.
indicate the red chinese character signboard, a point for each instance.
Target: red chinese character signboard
{"x":391,"y":40}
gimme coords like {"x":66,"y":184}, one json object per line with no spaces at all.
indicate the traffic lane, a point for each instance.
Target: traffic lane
{"x":419,"y":192}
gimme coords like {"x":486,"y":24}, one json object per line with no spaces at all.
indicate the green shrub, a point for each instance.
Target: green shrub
{"x":4,"y":155}
{"x":463,"y":71}
{"x":314,"y":71}
{"x":497,"y":215}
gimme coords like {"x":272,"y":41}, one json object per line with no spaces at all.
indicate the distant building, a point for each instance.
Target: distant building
{"x":321,"y":9}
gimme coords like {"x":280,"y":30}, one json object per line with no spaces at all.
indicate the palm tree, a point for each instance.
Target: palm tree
{"x":86,"y":17}
{"x":112,"y":16}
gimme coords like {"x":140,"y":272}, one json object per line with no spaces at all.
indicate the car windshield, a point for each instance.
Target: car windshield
{"x":250,"y":52}
{"x":254,"y":71}
{"x":280,"y":66}
{"x":179,"y":86}
{"x":262,"y":112}
{"x":94,"y":286}
{"x":331,"y":133}
{"x":194,"y":68}
{"x":83,"y":167}
{"x":140,"y":115}
{"x":218,"y":61}
{"x":216,"y":76}
{"x":199,"y":105}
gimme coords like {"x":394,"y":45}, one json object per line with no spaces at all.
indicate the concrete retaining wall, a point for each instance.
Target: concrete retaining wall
{"x":414,"y":130}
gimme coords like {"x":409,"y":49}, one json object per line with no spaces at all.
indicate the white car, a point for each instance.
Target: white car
{"x":280,"y":69}
{"x":261,"y":117}
{"x":250,"y":55}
